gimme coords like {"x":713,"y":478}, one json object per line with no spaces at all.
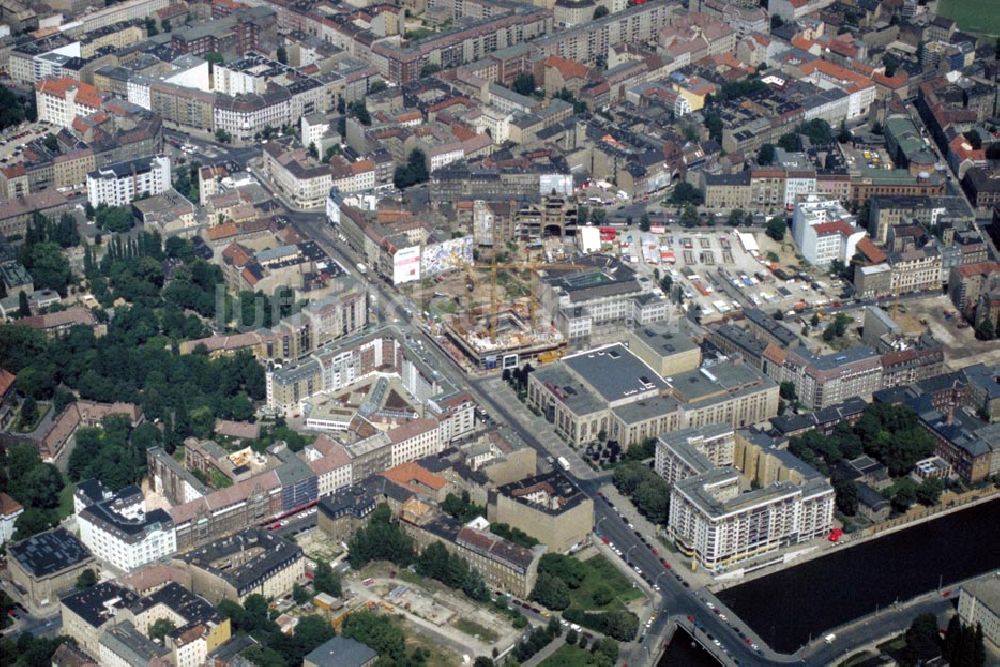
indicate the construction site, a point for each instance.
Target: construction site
{"x":489,"y":317}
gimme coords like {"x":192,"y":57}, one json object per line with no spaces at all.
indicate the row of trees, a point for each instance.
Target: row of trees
{"x":454,"y":571}
{"x":620,"y":625}
{"x":962,"y":645}
{"x":648,"y":491}
{"x":462,"y":508}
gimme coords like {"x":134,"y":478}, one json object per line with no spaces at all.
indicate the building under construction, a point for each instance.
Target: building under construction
{"x":513,"y":342}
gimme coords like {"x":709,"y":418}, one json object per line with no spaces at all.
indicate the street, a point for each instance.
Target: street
{"x":678,"y":603}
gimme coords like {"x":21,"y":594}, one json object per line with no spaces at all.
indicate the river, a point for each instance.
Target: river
{"x":685,"y":652}
{"x":788,"y":607}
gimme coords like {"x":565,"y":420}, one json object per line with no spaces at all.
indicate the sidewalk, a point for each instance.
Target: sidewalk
{"x":551,"y":648}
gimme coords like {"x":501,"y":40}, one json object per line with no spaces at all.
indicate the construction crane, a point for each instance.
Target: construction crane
{"x":523,"y":265}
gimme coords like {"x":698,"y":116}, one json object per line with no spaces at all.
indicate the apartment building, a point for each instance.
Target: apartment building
{"x":693,"y":451}
{"x":822,"y":381}
{"x":547,"y":507}
{"x":824,"y":231}
{"x":251,"y":562}
{"x":60,"y":101}
{"x":503,"y":565}
{"x":121,"y":533}
{"x":713,"y":522}
{"x":303,"y":181}
{"x":584,"y":43}
{"x":966,"y":283}
{"x":118,"y":184}
{"x":979,"y":606}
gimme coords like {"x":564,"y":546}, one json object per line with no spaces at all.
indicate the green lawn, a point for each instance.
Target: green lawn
{"x":66,"y":500}
{"x":475,"y":630}
{"x":43,"y":409}
{"x":601,"y":573}
{"x":978,"y":16}
{"x":568,"y":656}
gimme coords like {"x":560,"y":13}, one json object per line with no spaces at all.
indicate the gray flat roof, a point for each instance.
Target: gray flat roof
{"x":614,"y":372}
{"x":722,"y":381}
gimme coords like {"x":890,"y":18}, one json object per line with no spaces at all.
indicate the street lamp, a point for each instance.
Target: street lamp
{"x":628,"y":551}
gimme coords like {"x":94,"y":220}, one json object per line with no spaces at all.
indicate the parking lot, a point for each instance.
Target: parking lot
{"x":722,"y":272}
{"x":14,"y":139}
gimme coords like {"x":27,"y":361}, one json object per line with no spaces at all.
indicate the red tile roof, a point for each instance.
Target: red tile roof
{"x":6,"y":381}
{"x":874,"y":254}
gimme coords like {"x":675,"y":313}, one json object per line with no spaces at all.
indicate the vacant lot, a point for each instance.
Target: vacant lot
{"x":604,"y":588}
{"x":979,"y":16}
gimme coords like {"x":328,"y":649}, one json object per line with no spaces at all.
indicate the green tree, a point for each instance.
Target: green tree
{"x":377,"y":632}
{"x":644,"y":222}
{"x":48,"y":266}
{"x":551,"y":592}
{"x":767,"y":154}
{"x":790,"y":142}
{"x":29,"y":411}
{"x":929,"y":491}
{"x":300,"y":594}
{"x":601,"y":12}
{"x":776,"y":227}
{"x":325,"y":580}
{"x":359,"y":110}
{"x":86,"y":579}
{"x":985,"y":330}
{"x":161,"y":627}
{"x":34,"y":520}
{"x":377,"y":86}
{"x":524,"y":84}
{"x":23,"y":308}
{"x":685,"y":193}
{"x":413,"y":172}
{"x":282,"y":55}
{"x":905,"y":495}
{"x":846,"y":496}
{"x":214,"y":58}
{"x":787,"y":391}
{"x":313,"y":151}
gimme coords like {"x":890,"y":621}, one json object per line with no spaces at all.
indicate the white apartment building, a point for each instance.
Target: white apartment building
{"x":50,"y":65}
{"x":247,"y":115}
{"x":439,"y":156}
{"x":331,"y":463}
{"x":304,"y":182}
{"x":120,"y":533}
{"x":692,"y":451}
{"x":119,"y":184}
{"x":415,"y":440}
{"x":979,"y":603}
{"x":713,"y":522}
{"x":799,"y":185}
{"x":312,"y":127}
{"x":824,"y":230}
{"x":59,"y":101}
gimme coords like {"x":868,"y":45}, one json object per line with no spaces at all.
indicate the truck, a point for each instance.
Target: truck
{"x":563,"y":463}
{"x":362,"y":269}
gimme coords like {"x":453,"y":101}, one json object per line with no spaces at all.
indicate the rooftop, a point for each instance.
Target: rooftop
{"x":341,"y":652}
{"x":272,"y":552}
{"x":614,"y":372}
{"x":49,"y":552}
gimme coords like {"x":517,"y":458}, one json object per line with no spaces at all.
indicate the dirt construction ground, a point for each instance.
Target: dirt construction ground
{"x":961,"y":347}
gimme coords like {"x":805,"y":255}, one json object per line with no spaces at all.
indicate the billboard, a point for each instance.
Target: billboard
{"x":561,"y":184}
{"x":406,"y":265}
{"x":446,"y":256}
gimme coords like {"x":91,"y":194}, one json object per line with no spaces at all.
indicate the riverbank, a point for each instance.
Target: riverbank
{"x":788,"y":607}
{"x":821,"y":548}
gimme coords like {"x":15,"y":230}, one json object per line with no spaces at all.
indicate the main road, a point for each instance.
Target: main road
{"x":678,"y":602}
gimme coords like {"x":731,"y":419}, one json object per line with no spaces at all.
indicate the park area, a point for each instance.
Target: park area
{"x":977,"y":16}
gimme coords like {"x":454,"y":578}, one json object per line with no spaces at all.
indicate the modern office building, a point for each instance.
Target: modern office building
{"x":824,"y":231}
